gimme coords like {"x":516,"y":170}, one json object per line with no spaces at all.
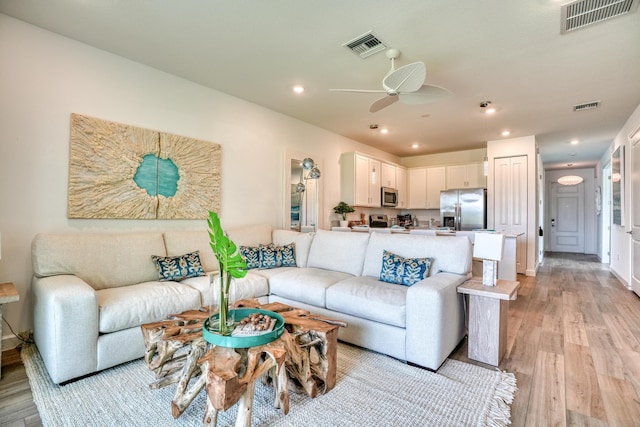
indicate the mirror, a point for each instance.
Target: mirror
{"x":302,"y":192}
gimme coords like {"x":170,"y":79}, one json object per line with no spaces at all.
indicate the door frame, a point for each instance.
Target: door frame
{"x":605,"y":215}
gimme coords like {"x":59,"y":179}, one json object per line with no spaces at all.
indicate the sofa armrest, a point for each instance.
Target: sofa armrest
{"x":435,"y":319}
{"x":65,"y":325}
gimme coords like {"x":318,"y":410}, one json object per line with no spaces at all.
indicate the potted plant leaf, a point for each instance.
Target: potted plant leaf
{"x":232,"y":265}
{"x":343,"y":209}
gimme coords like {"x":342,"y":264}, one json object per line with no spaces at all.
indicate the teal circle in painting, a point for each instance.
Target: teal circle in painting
{"x":157,"y":176}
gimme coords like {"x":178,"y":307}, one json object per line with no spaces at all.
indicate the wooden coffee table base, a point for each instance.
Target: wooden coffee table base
{"x":176,"y":352}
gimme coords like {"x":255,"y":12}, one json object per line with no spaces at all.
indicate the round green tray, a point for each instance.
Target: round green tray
{"x":246,"y":341}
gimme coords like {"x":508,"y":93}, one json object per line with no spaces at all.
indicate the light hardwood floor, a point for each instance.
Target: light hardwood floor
{"x":573,"y":344}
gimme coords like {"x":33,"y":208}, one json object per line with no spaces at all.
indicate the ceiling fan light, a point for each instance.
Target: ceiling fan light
{"x":570,"y":180}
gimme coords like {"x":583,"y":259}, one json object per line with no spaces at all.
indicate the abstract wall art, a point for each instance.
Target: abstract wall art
{"x":127,"y":172}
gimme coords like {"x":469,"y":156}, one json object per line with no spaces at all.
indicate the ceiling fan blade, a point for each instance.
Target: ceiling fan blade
{"x":425,"y":95}
{"x":408,"y":78}
{"x":359,"y":90}
{"x":382,"y":103}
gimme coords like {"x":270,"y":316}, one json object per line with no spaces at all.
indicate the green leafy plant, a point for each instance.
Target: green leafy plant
{"x":232,"y":265}
{"x":343,"y":209}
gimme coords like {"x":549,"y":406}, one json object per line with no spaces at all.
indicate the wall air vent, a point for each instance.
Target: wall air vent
{"x":581,"y":13}
{"x":365,"y":45}
{"x":586,"y":106}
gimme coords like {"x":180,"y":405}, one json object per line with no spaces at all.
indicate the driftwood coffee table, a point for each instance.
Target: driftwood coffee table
{"x":306,"y":352}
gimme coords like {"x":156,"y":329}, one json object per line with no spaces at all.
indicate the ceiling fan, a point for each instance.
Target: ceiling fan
{"x":405,"y":84}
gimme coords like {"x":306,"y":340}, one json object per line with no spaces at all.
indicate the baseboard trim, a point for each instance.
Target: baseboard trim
{"x":9,"y":342}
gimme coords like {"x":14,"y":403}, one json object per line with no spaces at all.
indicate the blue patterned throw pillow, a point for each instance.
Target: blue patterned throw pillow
{"x":272,"y":256}
{"x":403,"y":271}
{"x":251,"y":255}
{"x":178,"y":267}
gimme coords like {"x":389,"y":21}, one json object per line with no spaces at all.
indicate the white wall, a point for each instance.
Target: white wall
{"x":45,"y":77}
{"x":620,"y":240}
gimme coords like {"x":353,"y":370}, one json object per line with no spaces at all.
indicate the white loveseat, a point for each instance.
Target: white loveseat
{"x":92,"y":291}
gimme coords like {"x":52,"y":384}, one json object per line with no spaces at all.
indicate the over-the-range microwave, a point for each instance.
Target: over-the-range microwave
{"x":389,"y":197}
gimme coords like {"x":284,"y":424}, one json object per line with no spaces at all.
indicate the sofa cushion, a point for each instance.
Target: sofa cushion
{"x":177,"y":268}
{"x":250,"y":286}
{"x":302,"y":241}
{"x":184,"y":241}
{"x":251,"y":256}
{"x":450,"y":253}
{"x":307,"y":285}
{"x":403,"y":271}
{"x":370,"y":299}
{"x":130,"y":306}
{"x":274,"y":256}
{"x":338,"y":251}
{"x":103,"y":260}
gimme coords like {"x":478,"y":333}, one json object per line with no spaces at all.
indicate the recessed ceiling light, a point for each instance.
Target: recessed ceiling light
{"x":574,"y":142}
{"x":506,"y":133}
{"x":487,"y":108}
{"x":384,"y":130}
{"x":415,"y":145}
{"x":298,"y":89}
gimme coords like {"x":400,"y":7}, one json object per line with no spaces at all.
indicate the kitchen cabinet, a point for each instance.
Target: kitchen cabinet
{"x":360,"y":180}
{"x":424,"y":186}
{"x":417,"y":185}
{"x":401,"y":186}
{"x":388,"y":177}
{"x":470,"y":175}
{"x":436,"y":182}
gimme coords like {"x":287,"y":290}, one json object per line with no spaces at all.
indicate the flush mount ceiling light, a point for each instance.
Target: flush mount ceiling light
{"x":570,"y":180}
{"x":487,"y":107}
{"x":298,"y":89}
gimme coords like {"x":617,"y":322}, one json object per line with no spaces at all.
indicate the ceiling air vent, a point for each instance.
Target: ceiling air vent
{"x":579,"y":14}
{"x":365,"y":45}
{"x":586,"y":106}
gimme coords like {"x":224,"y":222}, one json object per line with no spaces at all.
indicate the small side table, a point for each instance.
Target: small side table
{"x":8,"y":293}
{"x":488,"y":314}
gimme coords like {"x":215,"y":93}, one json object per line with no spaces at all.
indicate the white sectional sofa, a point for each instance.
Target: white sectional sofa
{"x":92,"y":291}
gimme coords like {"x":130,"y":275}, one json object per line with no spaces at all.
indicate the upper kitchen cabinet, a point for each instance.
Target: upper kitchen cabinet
{"x":470,"y":175}
{"x":389,"y":178}
{"x":436,"y":182}
{"x":425,"y":185}
{"x":417,"y":184}
{"x":360,"y":180}
{"x":401,"y":186}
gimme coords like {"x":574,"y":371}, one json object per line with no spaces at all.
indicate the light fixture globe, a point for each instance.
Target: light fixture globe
{"x":570,"y":180}
{"x":314,"y":173}
{"x":300,"y":187}
{"x":308,"y":163}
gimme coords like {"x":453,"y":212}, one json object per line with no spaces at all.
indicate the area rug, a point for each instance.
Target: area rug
{"x":371,"y":390}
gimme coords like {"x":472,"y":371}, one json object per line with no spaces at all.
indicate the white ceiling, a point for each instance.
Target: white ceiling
{"x":507,"y":52}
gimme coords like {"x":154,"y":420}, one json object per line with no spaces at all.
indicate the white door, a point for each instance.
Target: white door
{"x":635,"y":217}
{"x":567,"y":218}
{"x":510,"y":203}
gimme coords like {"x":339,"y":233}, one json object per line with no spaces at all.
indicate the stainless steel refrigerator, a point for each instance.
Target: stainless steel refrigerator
{"x":464,"y":209}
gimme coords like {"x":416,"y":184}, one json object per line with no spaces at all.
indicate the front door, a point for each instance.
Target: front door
{"x":635,"y":216}
{"x":567,"y":218}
